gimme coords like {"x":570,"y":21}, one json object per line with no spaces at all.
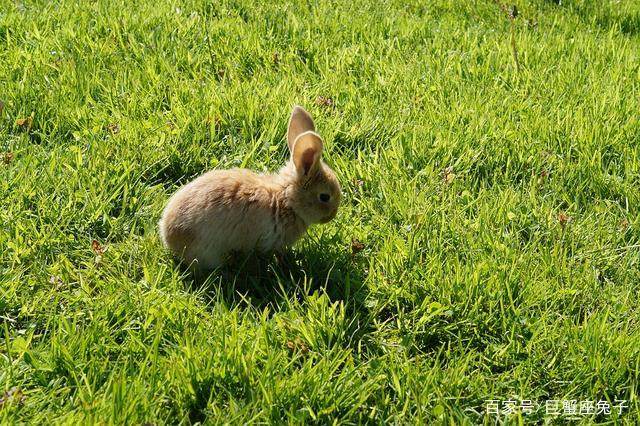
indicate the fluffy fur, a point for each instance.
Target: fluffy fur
{"x":237,"y":210}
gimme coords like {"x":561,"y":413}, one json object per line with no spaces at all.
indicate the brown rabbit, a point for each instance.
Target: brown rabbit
{"x":237,"y":210}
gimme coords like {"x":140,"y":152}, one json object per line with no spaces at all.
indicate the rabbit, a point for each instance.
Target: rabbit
{"x":232,"y":211}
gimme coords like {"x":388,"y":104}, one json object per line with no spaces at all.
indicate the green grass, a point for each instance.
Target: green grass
{"x":498,"y":210}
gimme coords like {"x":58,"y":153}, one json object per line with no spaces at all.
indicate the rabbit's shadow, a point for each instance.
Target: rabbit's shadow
{"x":259,"y":281}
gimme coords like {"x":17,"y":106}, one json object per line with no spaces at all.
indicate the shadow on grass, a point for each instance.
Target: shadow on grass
{"x":606,"y":18}
{"x":259,"y":281}
{"x":626,"y":24}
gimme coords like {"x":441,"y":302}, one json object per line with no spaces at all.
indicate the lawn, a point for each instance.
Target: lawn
{"x":487,"y":247}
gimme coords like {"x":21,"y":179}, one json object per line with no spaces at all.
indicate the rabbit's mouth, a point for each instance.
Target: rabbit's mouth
{"x":329,"y":217}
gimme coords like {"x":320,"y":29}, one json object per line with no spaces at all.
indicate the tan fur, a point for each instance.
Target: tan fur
{"x":225,"y":211}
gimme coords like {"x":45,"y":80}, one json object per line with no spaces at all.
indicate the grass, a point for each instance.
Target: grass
{"x":487,"y":247}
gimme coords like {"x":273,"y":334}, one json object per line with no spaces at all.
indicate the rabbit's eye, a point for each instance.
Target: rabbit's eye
{"x":325,"y":197}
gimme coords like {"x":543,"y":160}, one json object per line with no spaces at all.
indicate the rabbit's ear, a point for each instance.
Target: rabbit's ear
{"x":299,"y":123}
{"x":307,"y":153}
